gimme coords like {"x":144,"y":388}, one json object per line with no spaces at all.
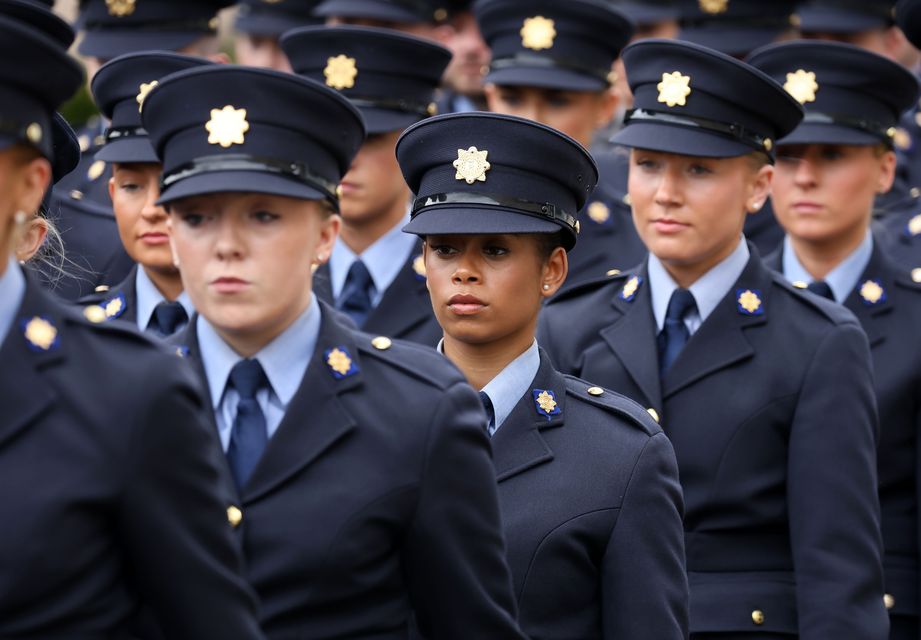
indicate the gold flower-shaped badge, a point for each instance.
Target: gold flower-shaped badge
{"x":40,"y":333}
{"x":121,"y":8}
{"x":227,"y":126}
{"x":143,"y":90}
{"x":802,"y":86}
{"x":599,"y":212}
{"x":340,"y":72}
{"x":546,"y":402}
{"x":674,"y":89}
{"x":339,"y":362}
{"x":872,"y":292}
{"x":714,"y":6}
{"x":471,"y":165}
{"x":538,"y":33}
{"x":749,"y":301}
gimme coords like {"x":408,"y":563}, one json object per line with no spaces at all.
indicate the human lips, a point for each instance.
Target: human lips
{"x":229,"y":284}
{"x":668,"y":225}
{"x":465,"y":304}
{"x":154,"y":238}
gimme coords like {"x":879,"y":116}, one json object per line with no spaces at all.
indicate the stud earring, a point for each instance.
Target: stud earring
{"x":20,"y":218}
{"x":546,"y":287}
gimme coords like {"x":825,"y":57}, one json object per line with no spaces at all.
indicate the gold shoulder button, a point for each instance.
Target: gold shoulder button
{"x":758,"y":617}
{"x":653,"y":413}
{"x":234,"y":516}
{"x":382,"y":343}
{"x":799,"y":284}
{"x":888,"y":601}
{"x":916,"y":274}
{"x":101,"y":288}
{"x":612,"y":273}
{"x":595,"y":391}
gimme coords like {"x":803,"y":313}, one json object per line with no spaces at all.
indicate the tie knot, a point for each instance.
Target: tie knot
{"x":679,"y":304}
{"x":359,"y":276}
{"x":821,"y":288}
{"x":168,"y":316}
{"x":247,"y":377}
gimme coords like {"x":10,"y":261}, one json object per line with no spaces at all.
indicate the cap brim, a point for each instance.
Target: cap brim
{"x":832,"y":20}
{"x":468,"y":220}
{"x":644,"y":15}
{"x":818,"y":133}
{"x":387,"y":120}
{"x":111,"y":44}
{"x":272,"y":25}
{"x":680,"y":140}
{"x":365,"y":9}
{"x":238,"y":182}
{"x":733,"y":42}
{"x":128,"y":150}
{"x":545,"y":78}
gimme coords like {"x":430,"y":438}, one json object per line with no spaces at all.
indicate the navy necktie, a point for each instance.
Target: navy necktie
{"x":167,"y":318}
{"x":248,"y":435}
{"x":674,"y":333}
{"x":490,"y":412}
{"x":821,"y":288}
{"x":356,"y":294}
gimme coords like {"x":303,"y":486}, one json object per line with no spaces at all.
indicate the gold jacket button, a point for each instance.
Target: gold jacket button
{"x":653,"y":413}
{"x":595,"y":391}
{"x":612,"y":273}
{"x":382,"y":343}
{"x":758,"y":616}
{"x":234,"y":516}
{"x":889,"y":601}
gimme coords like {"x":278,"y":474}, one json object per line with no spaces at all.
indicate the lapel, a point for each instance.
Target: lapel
{"x":721,"y":341}
{"x":873,"y":317}
{"x":518,"y":445}
{"x":126,"y":290}
{"x":315,"y":419}
{"x":632,"y":338}
{"x":186,"y":343}
{"x":405,"y":304}
{"x":24,"y":392}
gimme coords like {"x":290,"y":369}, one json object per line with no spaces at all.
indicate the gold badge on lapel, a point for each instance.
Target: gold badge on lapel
{"x":872,"y":293}
{"x":340,"y":363}
{"x":227,"y":126}
{"x":340,"y":72}
{"x":121,"y":8}
{"x":599,"y":212}
{"x":545,"y":403}
{"x":538,"y":33}
{"x":40,"y":334}
{"x":674,"y":89}
{"x":115,"y":306}
{"x":419,"y":267}
{"x":714,"y":7}
{"x":143,"y":90}
{"x":471,"y":165}
{"x":96,"y":169}
{"x":802,"y":86}
{"x":749,"y":301}
{"x":628,"y":293}
{"x":95,"y":314}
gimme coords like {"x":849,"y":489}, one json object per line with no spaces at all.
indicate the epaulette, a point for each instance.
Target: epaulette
{"x":612,"y":276}
{"x":613,"y":403}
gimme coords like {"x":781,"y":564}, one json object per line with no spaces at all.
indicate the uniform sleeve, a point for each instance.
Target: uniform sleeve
{"x":832,"y":495}
{"x":459,"y":582}
{"x":645,"y":588}
{"x":179,"y":544}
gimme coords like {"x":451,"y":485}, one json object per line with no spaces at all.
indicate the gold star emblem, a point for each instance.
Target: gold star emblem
{"x":340,"y":72}
{"x":914,"y":225}
{"x":714,"y":6}
{"x":339,"y":362}
{"x":871,"y":291}
{"x":749,"y":301}
{"x":227,"y":126}
{"x":471,"y":165}
{"x":143,"y":90}
{"x":538,"y":33}
{"x":121,"y":8}
{"x":630,"y":288}
{"x":599,"y":212}
{"x":802,"y":86}
{"x":96,"y":170}
{"x":113,"y":307}
{"x":41,"y":333}
{"x":674,"y":89}
{"x":546,"y":402}
{"x":419,"y":266}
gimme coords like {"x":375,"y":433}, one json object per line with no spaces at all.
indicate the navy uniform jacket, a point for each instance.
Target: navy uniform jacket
{"x":892,"y":326}
{"x":110,"y":492}
{"x":374,"y":500}
{"x":899,"y":230}
{"x":773,"y":418}
{"x":405,"y":309}
{"x":592,"y":509}
{"x":120,"y":301}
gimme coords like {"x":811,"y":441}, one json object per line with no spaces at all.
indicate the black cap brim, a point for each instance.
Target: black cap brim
{"x":137,"y":150}
{"x":683,"y":141}
{"x":820,"y":133}
{"x":111,"y":44}
{"x":262,"y":24}
{"x":238,"y":182}
{"x":732,"y":41}
{"x":835,"y":20}
{"x":642,"y":14}
{"x":366,"y":9}
{"x":545,"y":78}
{"x":486,"y":220}
{"x":387,"y":120}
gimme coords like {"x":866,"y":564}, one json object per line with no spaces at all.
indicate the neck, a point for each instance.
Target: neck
{"x":685,"y":274}
{"x":480,"y":363}
{"x":251,"y":341}
{"x":820,"y":258}
{"x":359,"y":235}
{"x":167,"y":282}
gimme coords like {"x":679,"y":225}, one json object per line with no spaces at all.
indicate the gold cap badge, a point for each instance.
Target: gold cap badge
{"x":538,"y":33}
{"x":802,"y":86}
{"x":40,"y":334}
{"x":143,"y":90}
{"x":599,"y":212}
{"x":34,"y":133}
{"x":872,"y":292}
{"x":227,"y":126}
{"x":96,"y":170}
{"x":121,"y":8}
{"x":471,"y":165}
{"x":714,"y":6}
{"x":750,"y":302}
{"x":674,"y":89}
{"x":340,"y":72}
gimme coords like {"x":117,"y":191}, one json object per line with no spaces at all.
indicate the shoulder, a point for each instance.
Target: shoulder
{"x":400,"y":359}
{"x":606,"y":286}
{"x":908,"y":281}
{"x":800,"y":303}
{"x":610,"y":405}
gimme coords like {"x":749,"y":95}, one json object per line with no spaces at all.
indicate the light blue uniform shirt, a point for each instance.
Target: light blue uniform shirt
{"x":507,"y":388}
{"x":842,"y":279}
{"x":384,"y":260}
{"x":707,"y":291}
{"x":12,"y":291}
{"x":148,"y":297}
{"x":284,"y":361}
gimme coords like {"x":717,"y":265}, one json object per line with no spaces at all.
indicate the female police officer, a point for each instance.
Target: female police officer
{"x":829,"y":170}
{"x":109,"y":473}
{"x":602,"y":556}
{"x":765,"y":392}
{"x":343,"y":447}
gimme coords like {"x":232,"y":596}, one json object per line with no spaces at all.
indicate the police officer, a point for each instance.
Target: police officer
{"x":462,"y":87}
{"x":551,"y":63}
{"x":342,"y":447}
{"x":259,"y":26}
{"x":375,"y":273}
{"x":828,"y":171}
{"x":609,"y":522}
{"x":92,"y":416}
{"x":765,"y":392}
{"x":151,"y":295}
{"x":81,"y":202}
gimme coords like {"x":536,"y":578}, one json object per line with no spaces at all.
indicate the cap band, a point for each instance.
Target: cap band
{"x":754,"y":140}
{"x":120,"y":133}
{"x":742,"y":22}
{"x":881,"y":131}
{"x":529,"y":60}
{"x":544,"y":210}
{"x":408,"y":106}
{"x":207,"y":26}
{"x":872,"y":9}
{"x":242,"y":162}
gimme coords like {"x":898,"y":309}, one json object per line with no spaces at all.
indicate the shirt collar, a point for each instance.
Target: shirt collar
{"x":842,"y":279}
{"x":708,"y":290}
{"x":12,"y":292}
{"x":507,"y":388}
{"x":148,"y":297}
{"x":284,"y":360}
{"x":384,"y":258}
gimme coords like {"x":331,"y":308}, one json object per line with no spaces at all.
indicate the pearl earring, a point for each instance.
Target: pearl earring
{"x":20,"y":217}
{"x":546,"y":287}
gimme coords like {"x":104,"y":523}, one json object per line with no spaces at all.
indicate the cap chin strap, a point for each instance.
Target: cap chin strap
{"x":545,"y":210}
{"x":735,"y":131}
